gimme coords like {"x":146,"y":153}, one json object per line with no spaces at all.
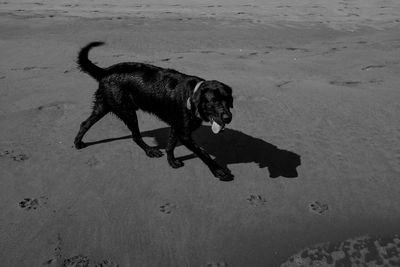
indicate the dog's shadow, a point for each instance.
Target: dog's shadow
{"x":230,"y":147}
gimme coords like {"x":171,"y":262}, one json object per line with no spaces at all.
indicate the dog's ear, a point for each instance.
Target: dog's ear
{"x":230,"y":102}
{"x":227,"y":92}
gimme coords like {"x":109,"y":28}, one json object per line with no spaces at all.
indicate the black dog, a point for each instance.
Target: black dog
{"x":180,"y":100}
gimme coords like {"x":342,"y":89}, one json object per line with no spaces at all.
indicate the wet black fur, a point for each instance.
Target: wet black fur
{"x":126,"y":87}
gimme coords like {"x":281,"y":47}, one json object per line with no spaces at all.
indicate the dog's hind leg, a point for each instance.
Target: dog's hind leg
{"x":130,"y":119}
{"x":99,"y":111}
{"x":172,"y":141}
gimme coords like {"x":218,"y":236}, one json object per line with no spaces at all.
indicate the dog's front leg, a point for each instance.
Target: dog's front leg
{"x":172,"y":141}
{"x":223,"y":174}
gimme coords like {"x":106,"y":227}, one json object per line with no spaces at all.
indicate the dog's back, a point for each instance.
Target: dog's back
{"x":162,"y":92}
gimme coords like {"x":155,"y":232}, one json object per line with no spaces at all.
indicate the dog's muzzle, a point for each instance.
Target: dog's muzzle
{"x":218,"y":124}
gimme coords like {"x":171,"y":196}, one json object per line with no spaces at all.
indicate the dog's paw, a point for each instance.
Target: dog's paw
{"x":153,"y":152}
{"x":80,"y":145}
{"x":175,"y":163}
{"x":223,"y":174}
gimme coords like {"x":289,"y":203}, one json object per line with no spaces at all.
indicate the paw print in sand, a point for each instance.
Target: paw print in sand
{"x":76,"y":261}
{"x":14,"y":155}
{"x":217,"y":264}
{"x":256,"y":200}
{"x":167,"y":208}
{"x":92,"y":161}
{"x":32,"y":203}
{"x":107,"y":263}
{"x":318,"y":207}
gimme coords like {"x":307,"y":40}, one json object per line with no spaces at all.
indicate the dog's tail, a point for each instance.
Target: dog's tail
{"x":88,"y":66}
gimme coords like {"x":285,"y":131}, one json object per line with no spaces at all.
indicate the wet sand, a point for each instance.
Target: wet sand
{"x":310,"y":78}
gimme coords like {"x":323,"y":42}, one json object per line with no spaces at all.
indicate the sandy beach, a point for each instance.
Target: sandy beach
{"x":317,"y":79}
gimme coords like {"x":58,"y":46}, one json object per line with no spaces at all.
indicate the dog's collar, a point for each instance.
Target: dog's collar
{"x":189,"y":100}
{"x":197,"y":86}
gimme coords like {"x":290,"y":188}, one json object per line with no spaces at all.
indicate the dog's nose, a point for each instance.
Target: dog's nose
{"x":226,"y":118}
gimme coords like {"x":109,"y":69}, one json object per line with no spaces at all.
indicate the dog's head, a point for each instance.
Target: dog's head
{"x":213,"y":101}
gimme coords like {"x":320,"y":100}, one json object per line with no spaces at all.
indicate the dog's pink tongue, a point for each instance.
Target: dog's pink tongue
{"x":216,"y":128}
